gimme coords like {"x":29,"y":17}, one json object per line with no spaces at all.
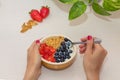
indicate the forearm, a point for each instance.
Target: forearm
{"x":92,"y":76}
{"x":31,"y":74}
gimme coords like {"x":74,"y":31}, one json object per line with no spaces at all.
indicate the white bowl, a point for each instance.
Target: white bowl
{"x":60,"y":65}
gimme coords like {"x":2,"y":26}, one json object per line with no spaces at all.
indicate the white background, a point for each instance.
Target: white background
{"x":13,"y":44}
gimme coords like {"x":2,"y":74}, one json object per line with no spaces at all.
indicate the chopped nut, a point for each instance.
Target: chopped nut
{"x":28,"y":25}
{"x":32,"y":22}
{"x":54,"y":41}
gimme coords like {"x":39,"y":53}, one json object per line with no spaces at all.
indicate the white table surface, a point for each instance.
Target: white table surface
{"x":13,"y":44}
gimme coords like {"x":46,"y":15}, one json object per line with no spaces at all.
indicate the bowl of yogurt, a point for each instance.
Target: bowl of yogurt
{"x":57,"y":52}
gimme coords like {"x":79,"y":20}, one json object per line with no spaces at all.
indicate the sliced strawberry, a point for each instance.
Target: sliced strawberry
{"x":47,"y":52}
{"x":52,"y":50}
{"x":43,"y":45}
{"x":46,"y":57}
{"x":51,"y":58}
{"x":41,"y":51}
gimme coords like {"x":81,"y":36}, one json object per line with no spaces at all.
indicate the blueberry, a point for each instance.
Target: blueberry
{"x":62,"y":49}
{"x":68,"y":57}
{"x":56,"y":56}
{"x":67,"y":47}
{"x":70,"y":44}
{"x":67,"y":44}
{"x":59,"y":56}
{"x":62,"y":60}
{"x":56,"y":53}
{"x":58,"y":50}
{"x":63,"y":53}
{"x":66,"y":39}
{"x":67,"y":54}
{"x":70,"y":51}
{"x":57,"y":60}
{"x":62,"y":56}
{"x":66,"y":50}
{"x":62,"y":43}
{"x":64,"y":46}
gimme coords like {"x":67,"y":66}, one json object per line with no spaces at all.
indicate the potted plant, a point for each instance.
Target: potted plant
{"x":79,"y":7}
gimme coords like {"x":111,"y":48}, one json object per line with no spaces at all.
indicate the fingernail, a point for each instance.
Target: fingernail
{"x":89,"y":37}
{"x":37,"y":41}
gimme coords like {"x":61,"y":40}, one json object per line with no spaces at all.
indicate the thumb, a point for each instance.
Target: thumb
{"x":89,"y":45}
{"x":38,"y":42}
{"x":37,"y":45}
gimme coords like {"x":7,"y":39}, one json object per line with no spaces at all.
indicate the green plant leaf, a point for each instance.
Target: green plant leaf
{"x":111,"y":5}
{"x":68,"y":1}
{"x":90,"y":1}
{"x":99,"y":10}
{"x":96,"y":1}
{"x":77,"y":10}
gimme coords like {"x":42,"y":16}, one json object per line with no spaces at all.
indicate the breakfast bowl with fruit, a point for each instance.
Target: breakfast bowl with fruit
{"x":57,"y":52}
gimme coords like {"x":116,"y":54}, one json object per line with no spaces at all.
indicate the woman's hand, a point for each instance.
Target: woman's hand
{"x":94,"y":55}
{"x":33,"y":68}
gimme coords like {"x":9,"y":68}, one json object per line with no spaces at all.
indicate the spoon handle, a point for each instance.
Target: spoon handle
{"x":96,"y":41}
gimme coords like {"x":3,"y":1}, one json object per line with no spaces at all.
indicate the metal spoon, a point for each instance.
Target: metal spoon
{"x":96,"y":41}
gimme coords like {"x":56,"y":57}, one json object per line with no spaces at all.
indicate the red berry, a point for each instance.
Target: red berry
{"x":46,"y":57}
{"x":47,"y":52}
{"x":41,"y":49}
{"x":35,"y":15}
{"x":43,"y":45}
{"x":44,"y":11}
{"x":51,"y":58}
{"x":52,"y":50}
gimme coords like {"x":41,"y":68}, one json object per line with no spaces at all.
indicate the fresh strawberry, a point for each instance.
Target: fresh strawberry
{"x":44,"y":11}
{"x":51,"y":58}
{"x":52,"y":50}
{"x":41,"y":51}
{"x":43,"y":45}
{"x":47,"y":52}
{"x":42,"y":48}
{"x":35,"y":15}
{"x":46,"y":57}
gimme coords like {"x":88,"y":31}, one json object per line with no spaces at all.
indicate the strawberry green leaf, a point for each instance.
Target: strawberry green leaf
{"x":99,"y":10}
{"x":77,"y":10}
